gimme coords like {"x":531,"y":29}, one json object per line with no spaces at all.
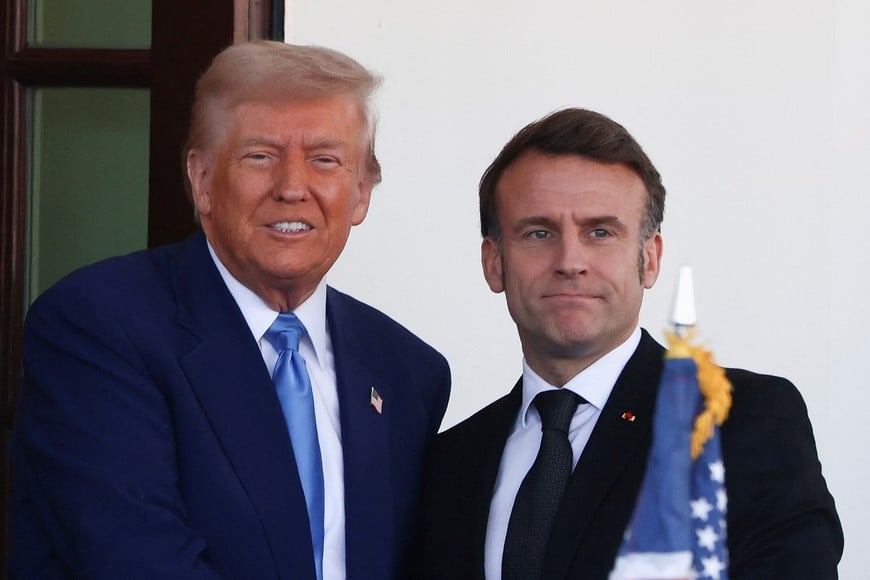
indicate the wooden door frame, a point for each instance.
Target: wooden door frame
{"x":183,"y":42}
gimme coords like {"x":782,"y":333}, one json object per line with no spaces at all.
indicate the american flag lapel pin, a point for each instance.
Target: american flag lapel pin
{"x":628,"y":416}
{"x":376,"y":401}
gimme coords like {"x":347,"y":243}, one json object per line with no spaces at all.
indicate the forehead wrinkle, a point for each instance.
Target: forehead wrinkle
{"x":263,"y":139}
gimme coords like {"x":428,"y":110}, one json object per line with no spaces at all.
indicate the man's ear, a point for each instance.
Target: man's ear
{"x":364,"y":198}
{"x":652,"y":253}
{"x":493,"y":270}
{"x":199,"y":175}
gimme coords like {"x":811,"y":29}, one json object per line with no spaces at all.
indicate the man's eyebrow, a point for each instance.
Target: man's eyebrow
{"x":324,"y":143}
{"x":535,"y":220}
{"x":273,"y":141}
{"x":604,"y":220}
{"x":259,"y":140}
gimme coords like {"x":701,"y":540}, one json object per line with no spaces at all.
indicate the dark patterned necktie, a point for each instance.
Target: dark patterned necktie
{"x":541,"y":492}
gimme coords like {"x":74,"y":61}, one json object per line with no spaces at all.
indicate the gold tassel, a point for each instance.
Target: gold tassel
{"x":713,"y":384}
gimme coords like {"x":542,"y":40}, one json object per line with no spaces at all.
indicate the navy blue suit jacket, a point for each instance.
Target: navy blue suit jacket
{"x":782,"y":522}
{"x":149,"y":441}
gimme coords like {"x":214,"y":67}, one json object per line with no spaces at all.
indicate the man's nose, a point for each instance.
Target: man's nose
{"x":290,"y":180}
{"x":573,"y":256}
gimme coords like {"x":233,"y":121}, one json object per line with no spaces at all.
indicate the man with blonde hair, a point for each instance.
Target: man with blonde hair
{"x":213,"y":409}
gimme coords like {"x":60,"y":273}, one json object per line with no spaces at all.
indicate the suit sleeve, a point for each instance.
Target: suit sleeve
{"x":782,"y":519}
{"x":96,"y":483}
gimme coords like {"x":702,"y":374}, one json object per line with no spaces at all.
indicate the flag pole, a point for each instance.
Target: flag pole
{"x":677,"y":530}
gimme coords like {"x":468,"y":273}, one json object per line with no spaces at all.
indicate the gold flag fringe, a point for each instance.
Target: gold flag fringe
{"x":713,"y":384}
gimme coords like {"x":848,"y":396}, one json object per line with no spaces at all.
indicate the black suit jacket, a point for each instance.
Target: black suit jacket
{"x":781,"y":519}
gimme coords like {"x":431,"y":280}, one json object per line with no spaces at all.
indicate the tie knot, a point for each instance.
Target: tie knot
{"x":556,"y":408}
{"x":285,"y":332}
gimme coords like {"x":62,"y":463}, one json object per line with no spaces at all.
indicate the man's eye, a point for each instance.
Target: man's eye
{"x":600,"y":233}
{"x":258,"y":156}
{"x":539,"y":234}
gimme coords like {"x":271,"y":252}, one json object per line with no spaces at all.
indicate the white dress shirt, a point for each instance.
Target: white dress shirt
{"x":316,"y":348}
{"x":594,"y":384}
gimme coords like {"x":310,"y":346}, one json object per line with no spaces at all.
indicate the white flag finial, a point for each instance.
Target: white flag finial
{"x":683,"y":314}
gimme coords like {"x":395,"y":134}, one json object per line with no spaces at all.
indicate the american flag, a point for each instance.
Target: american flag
{"x":678,"y":528}
{"x":376,"y":401}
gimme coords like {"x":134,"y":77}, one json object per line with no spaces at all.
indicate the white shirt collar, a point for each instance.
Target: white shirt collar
{"x":594,"y":383}
{"x":260,"y":316}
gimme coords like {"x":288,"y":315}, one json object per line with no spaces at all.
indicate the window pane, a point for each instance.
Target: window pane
{"x":89,"y":179}
{"x":91,"y":23}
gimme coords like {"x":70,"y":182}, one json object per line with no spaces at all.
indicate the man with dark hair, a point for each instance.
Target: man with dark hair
{"x":542,"y":482}
{"x":213,"y":409}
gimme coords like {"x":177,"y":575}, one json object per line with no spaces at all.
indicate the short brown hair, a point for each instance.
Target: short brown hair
{"x":264,"y":69}
{"x":574,"y":132}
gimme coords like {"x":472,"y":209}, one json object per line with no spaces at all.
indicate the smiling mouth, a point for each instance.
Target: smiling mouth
{"x":290,"y":227}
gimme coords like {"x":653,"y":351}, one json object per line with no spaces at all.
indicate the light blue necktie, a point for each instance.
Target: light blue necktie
{"x":297,"y":403}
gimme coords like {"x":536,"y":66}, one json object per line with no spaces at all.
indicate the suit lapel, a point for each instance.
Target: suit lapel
{"x":504,"y":412}
{"x":227,"y":375}
{"x":369,"y":523}
{"x":613,"y":447}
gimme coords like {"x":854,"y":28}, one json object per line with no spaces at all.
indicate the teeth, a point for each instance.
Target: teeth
{"x":291,"y":227}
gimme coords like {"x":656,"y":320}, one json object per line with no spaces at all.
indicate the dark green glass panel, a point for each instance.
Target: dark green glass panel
{"x":91,"y":23}
{"x":89,"y":179}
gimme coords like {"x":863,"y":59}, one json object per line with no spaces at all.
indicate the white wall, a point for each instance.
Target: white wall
{"x":754,"y":111}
